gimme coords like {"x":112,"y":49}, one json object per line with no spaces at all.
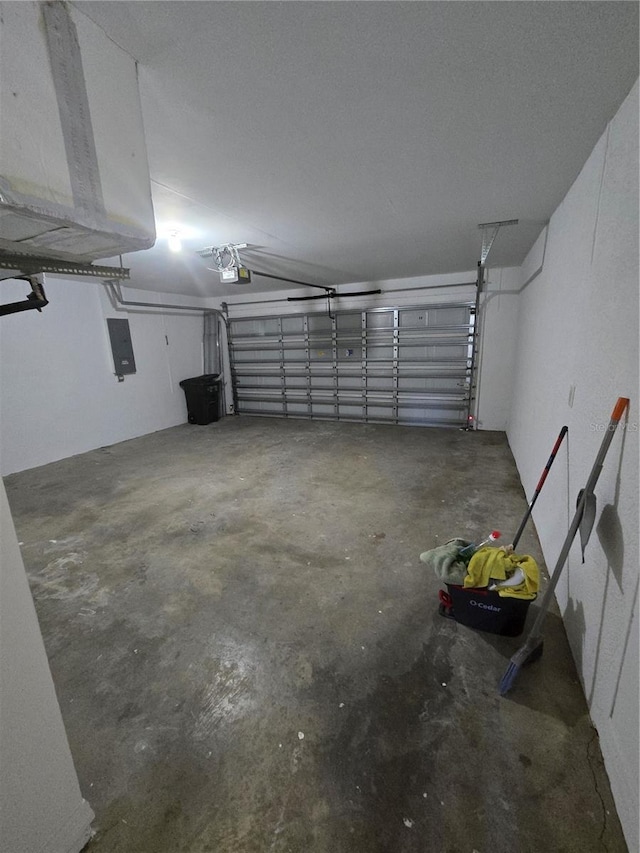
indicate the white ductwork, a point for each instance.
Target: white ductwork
{"x":74,"y":178}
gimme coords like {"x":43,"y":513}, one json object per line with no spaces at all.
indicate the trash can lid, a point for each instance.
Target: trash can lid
{"x":205,"y":379}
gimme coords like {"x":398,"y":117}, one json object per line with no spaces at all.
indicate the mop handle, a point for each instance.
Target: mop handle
{"x":617,"y":413}
{"x":543,"y":477}
{"x":547,"y":467}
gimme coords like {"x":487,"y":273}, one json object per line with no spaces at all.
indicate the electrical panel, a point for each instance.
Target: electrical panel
{"x":121,"y":346}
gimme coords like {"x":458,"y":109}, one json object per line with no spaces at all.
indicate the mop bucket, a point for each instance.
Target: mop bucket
{"x":478,"y":607}
{"x":483,"y":610}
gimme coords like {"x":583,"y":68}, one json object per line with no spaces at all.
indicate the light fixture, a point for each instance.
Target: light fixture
{"x":174,"y":242}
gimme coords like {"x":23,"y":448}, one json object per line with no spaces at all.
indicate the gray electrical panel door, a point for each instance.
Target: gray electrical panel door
{"x":121,"y":346}
{"x":408,"y":365}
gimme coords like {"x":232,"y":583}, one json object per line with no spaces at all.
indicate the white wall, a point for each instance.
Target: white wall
{"x":578,"y":337}
{"x":498,"y":344}
{"x":41,"y":806}
{"x":497,"y":317}
{"x":398,"y":291}
{"x":58,"y":392}
{"x":59,"y":395}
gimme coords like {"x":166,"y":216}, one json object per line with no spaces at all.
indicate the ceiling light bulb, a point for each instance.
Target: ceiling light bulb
{"x":174,"y":242}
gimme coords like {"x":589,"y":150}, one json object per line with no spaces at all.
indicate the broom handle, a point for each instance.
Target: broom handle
{"x":617,"y":413}
{"x":543,"y":477}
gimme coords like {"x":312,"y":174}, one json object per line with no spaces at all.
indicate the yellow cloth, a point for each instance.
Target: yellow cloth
{"x":489,"y":564}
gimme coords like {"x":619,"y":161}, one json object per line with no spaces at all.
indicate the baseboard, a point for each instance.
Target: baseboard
{"x":75,"y":833}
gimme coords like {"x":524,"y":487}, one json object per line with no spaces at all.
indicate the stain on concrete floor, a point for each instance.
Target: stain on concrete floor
{"x":249,"y":658}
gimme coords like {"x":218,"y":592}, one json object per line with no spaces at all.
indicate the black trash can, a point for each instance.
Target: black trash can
{"x":203,"y":398}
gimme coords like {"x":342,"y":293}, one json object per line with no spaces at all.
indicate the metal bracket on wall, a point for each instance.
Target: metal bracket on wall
{"x":489,"y":233}
{"x":225,"y":256}
{"x":28,"y":265}
{"x":35,"y":300}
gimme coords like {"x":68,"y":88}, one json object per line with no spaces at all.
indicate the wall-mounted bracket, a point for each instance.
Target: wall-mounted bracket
{"x":489,"y":232}
{"x":35,"y":300}
{"x":226,"y":257}
{"x":28,"y":265}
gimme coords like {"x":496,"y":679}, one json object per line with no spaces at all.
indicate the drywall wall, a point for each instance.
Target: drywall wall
{"x":58,"y":392}
{"x":497,"y":320}
{"x":577,"y":352}
{"x":399,"y":291}
{"x":40,"y":801}
{"x":59,"y":395}
{"x":497,"y":346}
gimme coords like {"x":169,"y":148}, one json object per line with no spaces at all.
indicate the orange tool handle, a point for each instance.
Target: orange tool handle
{"x":620,"y":406}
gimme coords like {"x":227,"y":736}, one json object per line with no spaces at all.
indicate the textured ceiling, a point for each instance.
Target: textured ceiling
{"x":359,"y":141}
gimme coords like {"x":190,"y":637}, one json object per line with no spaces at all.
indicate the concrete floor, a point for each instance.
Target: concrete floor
{"x":249,"y":657}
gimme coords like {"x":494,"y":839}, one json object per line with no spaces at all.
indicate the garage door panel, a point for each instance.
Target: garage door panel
{"x":379,"y":353}
{"x":350,"y":382}
{"x":294,"y":381}
{"x":319,"y":323}
{"x":260,"y":382}
{"x":322,"y":410}
{"x":348,"y":412}
{"x":450,"y":315}
{"x":292,"y":325}
{"x":321,"y":353}
{"x":432,"y":386}
{"x":320,"y":383}
{"x":397,"y":365}
{"x":351,"y":355}
{"x":299,"y":409}
{"x":379,"y":319}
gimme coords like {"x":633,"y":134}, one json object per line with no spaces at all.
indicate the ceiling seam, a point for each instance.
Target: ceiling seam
{"x":102,"y":30}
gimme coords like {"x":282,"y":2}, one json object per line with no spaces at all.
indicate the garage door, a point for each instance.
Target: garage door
{"x":408,"y":365}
